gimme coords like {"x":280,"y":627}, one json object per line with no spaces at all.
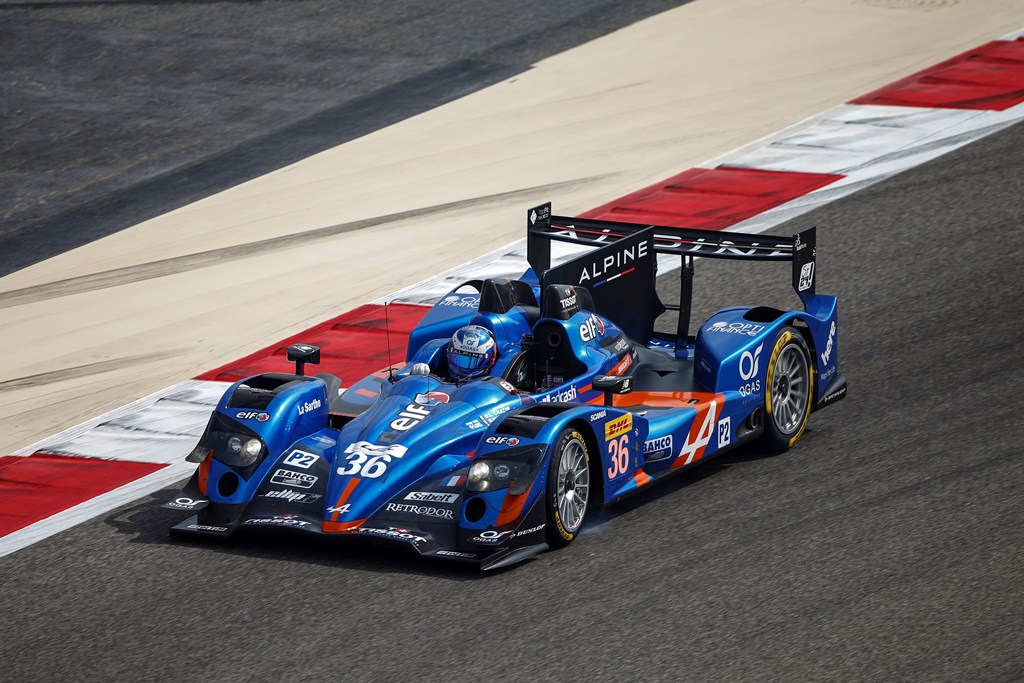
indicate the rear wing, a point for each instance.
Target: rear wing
{"x":638,"y":303}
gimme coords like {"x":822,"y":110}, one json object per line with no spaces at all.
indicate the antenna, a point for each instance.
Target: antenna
{"x":387,"y":334}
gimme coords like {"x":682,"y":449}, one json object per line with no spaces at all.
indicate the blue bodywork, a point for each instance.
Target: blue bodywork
{"x":390,"y":458}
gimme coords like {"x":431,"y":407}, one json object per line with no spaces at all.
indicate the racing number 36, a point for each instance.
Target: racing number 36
{"x":369,"y":460}
{"x":618,"y":451}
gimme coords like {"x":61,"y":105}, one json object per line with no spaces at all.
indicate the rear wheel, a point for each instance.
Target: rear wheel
{"x":789,"y":392}
{"x":568,"y":489}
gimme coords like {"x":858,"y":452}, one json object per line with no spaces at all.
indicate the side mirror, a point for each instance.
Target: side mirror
{"x":301,"y":354}
{"x":612,"y":384}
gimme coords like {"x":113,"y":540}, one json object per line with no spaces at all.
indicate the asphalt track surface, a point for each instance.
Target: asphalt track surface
{"x":886,"y":546}
{"x":115,"y":111}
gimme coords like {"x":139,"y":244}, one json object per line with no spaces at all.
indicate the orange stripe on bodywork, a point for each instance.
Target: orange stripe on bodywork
{"x":204,"y":472}
{"x":667,"y":399}
{"x":708,"y":412}
{"x":366,"y":392}
{"x":641,"y":478}
{"x":340,"y":527}
{"x":512,"y":507}
{"x":349,"y":488}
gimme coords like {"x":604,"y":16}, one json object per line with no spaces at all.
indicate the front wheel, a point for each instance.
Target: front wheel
{"x":568,"y":490}
{"x":788,"y":395}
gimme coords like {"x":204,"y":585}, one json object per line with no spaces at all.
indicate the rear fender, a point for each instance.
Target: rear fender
{"x":733,"y":346}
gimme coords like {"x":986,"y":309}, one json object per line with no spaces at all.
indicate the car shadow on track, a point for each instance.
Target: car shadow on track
{"x":146,"y":522}
{"x":748,"y":453}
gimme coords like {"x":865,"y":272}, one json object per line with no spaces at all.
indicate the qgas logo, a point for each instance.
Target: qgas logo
{"x":592,"y":328}
{"x":490,"y":537}
{"x":826,"y":356}
{"x":749,"y":363}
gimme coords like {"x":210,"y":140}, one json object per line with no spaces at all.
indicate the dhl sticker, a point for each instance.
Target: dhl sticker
{"x":618,"y":426}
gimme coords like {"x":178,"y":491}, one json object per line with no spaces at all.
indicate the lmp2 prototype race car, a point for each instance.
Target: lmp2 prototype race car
{"x":519,"y":414}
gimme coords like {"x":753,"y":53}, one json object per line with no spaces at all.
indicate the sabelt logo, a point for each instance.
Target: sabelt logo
{"x":618,"y":426}
{"x":432,"y":497}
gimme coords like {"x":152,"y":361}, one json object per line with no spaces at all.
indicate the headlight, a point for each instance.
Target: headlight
{"x":479,"y":472}
{"x":236,"y":450}
{"x":514,"y":468}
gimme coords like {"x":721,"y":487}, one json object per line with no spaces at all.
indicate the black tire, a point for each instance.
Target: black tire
{"x":565,"y":515}
{"x":789,"y":391}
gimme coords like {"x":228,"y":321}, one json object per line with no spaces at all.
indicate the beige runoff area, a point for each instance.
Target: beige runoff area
{"x":115,"y":320}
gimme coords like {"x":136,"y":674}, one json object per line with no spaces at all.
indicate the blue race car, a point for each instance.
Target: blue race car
{"x":513,"y":420}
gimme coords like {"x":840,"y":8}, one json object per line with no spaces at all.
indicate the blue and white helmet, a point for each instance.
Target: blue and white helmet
{"x":471,"y":352}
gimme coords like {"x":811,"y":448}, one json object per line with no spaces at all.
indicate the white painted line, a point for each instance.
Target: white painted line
{"x":94,"y":507}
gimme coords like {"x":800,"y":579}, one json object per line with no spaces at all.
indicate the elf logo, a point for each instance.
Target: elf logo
{"x":411,"y":416}
{"x":591,"y":328}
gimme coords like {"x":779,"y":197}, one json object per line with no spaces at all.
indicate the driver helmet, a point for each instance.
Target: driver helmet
{"x":471,"y":352}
